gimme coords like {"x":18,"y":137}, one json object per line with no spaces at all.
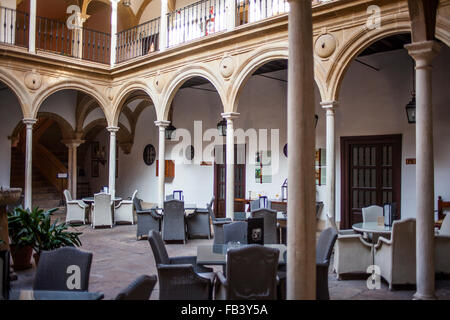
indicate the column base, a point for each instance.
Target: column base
{"x":419,"y":296}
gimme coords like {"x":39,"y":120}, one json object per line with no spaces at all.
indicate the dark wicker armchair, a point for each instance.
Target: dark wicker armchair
{"x":198,"y":224}
{"x":173,"y":225}
{"x":235,"y":231}
{"x":218,"y":223}
{"x":180,"y":277}
{"x":4,"y":275}
{"x":55,"y":267}
{"x":139,"y":289}
{"x":251,"y":274}
{"x":146,"y":219}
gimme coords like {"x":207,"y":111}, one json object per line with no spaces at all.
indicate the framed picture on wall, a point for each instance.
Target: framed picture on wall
{"x":94,"y":168}
{"x":95,"y":149}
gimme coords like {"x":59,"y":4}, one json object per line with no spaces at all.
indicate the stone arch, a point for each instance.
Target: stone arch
{"x":258,"y":59}
{"x":84,"y":87}
{"x":66,"y":129}
{"x":180,"y":78}
{"x":355,"y":45}
{"x":19,"y":91}
{"x":125,"y":92}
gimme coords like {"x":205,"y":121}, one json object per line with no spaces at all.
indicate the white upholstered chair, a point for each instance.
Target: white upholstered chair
{"x":442,"y":247}
{"x":123,"y":212}
{"x":102,"y":214}
{"x":371,"y":214}
{"x":352,"y":254}
{"x":397,"y":257}
{"x":76,"y":210}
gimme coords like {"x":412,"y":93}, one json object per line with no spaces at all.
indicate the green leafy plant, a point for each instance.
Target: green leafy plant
{"x":50,"y":236}
{"x":21,"y":228}
{"x":34,"y":228}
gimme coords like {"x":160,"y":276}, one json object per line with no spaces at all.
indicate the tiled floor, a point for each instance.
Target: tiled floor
{"x":119,"y":259}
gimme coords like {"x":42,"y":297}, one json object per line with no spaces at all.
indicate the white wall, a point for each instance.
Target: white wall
{"x":10,"y":116}
{"x":152,"y":11}
{"x":62,"y":103}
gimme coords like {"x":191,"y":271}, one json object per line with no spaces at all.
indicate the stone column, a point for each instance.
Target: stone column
{"x":113,"y":31}
{"x":330,"y":202}
{"x":161,"y":161}
{"x":32,"y":28}
{"x":229,"y":199}
{"x":72,"y":146}
{"x":423,"y":53}
{"x":28,"y":162}
{"x":77,"y":50}
{"x":301,"y":242}
{"x":112,"y":160}
{"x":163,"y":26}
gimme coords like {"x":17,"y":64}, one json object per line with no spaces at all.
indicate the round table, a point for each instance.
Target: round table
{"x":371,"y":227}
{"x":90,"y":200}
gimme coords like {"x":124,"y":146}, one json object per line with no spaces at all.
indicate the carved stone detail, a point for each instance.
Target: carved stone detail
{"x":325,"y":45}
{"x":33,"y":80}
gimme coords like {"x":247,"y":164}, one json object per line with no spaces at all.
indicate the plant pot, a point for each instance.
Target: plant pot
{"x":21,"y":257}
{"x":36,"y":257}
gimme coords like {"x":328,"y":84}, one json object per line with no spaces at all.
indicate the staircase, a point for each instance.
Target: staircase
{"x":45,"y":195}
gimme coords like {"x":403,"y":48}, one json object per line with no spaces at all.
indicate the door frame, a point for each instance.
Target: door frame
{"x":346,"y":143}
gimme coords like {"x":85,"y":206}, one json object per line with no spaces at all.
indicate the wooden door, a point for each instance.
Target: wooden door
{"x":220,"y":174}
{"x":370,"y":175}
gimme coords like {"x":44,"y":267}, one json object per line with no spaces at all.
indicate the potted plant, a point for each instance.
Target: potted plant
{"x":50,"y":236}
{"x":21,"y":234}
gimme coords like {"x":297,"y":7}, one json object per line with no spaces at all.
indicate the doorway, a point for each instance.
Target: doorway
{"x":370,"y":174}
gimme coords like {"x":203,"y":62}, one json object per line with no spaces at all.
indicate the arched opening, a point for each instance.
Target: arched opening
{"x":136,"y":119}
{"x":195,"y":110}
{"x":375,"y":161}
{"x":261,"y":102}
{"x":10,"y":115}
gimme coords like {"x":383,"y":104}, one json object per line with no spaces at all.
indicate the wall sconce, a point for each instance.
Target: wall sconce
{"x":411,"y":106}
{"x":126,"y":3}
{"x":222,"y":127}
{"x":316,"y":119}
{"x":169,"y":131}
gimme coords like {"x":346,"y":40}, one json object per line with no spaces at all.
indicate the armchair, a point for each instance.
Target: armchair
{"x":77,"y":210}
{"x":371,"y":214}
{"x":139,"y":289}
{"x":102,"y":210}
{"x":147,"y":220}
{"x":123,"y":212}
{"x":324,"y":249}
{"x":270,"y":224}
{"x":4,"y":275}
{"x":218,"y":223}
{"x":352,"y":254}
{"x":173,"y":225}
{"x":397,"y":257}
{"x":251,"y":274}
{"x":198,"y":224}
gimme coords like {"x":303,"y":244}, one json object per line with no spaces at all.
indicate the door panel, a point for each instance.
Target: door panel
{"x":371,"y":174}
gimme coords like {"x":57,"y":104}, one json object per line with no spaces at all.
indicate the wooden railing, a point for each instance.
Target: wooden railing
{"x":49,"y":166}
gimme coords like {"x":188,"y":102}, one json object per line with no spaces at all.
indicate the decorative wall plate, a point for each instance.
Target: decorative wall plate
{"x":149,"y":154}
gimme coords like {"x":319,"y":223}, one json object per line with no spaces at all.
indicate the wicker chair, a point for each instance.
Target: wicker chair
{"x":102,"y":210}
{"x":139,"y":289}
{"x":218,"y":223}
{"x":270,"y":224}
{"x":235,"y":231}
{"x":198,"y":224}
{"x":77,"y":210}
{"x":442,"y":247}
{"x":251,"y":274}
{"x":324,"y":248}
{"x":180,"y":278}
{"x":56,"y":267}
{"x":162,"y":257}
{"x":146,"y":220}
{"x":4,"y":275}
{"x":397,"y":257}
{"x":173,"y":226}
{"x":123,"y":212}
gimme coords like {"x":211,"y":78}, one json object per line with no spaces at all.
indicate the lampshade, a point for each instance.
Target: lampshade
{"x":316,"y":119}
{"x":222,"y":127}
{"x":411,"y":109}
{"x":169,"y":132}
{"x":126,"y":3}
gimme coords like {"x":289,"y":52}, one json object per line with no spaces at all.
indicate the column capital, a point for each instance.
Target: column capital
{"x":329,"y":104}
{"x":114,"y":2}
{"x":29,"y":121}
{"x":72,"y":143}
{"x":230,"y":115}
{"x":162,"y":123}
{"x":423,"y":52}
{"x":112,"y":129}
